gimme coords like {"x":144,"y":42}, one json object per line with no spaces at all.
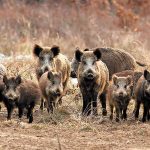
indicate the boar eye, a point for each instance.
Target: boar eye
{"x":84,"y":62}
{"x":125,"y":86}
{"x":42,"y":58}
{"x":117,"y":86}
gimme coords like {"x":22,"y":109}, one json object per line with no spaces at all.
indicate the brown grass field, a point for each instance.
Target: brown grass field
{"x":72,"y":23}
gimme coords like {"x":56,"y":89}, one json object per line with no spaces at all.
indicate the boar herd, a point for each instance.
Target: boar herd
{"x":106,"y":74}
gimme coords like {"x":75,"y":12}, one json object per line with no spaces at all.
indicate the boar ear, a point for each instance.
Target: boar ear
{"x":97,"y":53}
{"x":129,"y":79}
{"x":18,"y":79}
{"x":78,"y":55}
{"x":114,"y":78}
{"x":50,"y":75}
{"x":55,"y":50}
{"x":5,"y":79}
{"x":146,"y":75}
{"x":37,"y":50}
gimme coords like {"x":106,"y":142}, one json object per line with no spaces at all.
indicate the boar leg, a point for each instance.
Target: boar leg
{"x":86,"y":109}
{"x":125,"y":114}
{"x":103,"y":103}
{"x":137,"y":107}
{"x":148,"y":114}
{"x":20,"y":112}
{"x":50,"y":106}
{"x":117,"y":114}
{"x":30,"y":115}
{"x":145,"y":113}
{"x":111,"y":111}
{"x":30,"y":112}
{"x":9,"y":110}
{"x":94,"y":103}
{"x":42,"y":104}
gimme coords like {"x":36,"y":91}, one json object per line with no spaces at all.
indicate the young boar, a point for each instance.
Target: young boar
{"x":135,"y":77}
{"x":20,"y":94}
{"x":142,"y":95}
{"x":52,"y":88}
{"x":93,"y":78}
{"x":119,"y":94}
{"x":115,"y":60}
{"x":51,"y":59}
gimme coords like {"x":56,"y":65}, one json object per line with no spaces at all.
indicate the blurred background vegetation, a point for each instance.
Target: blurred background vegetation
{"x":74,"y":23}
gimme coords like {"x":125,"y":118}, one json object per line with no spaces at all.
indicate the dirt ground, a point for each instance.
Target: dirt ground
{"x":66,"y":129}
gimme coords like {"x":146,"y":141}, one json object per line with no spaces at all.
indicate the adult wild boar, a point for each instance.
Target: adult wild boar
{"x":50,"y":59}
{"x":93,"y":78}
{"x":119,"y":94}
{"x":115,"y":60}
{"x":22,"y":94}
{"x":142,"y":95}
{"x":52,"y":88}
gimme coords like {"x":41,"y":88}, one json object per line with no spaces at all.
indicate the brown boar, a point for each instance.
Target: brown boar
{"x":115,"y":60}
{"x":93,"y":78}
{"x":135,"y":76}
{"x":21,"y":94}
{"x":51,"y":59}
{"x":52,"y":88}
{"x":142,"y":95}
{"x":119,"y":95}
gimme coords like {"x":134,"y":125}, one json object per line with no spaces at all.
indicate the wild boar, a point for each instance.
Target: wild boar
{"x":142,"y":95}
{"x":52,"y":88}
{"x":135,"y":76}
{"x":2,"y":73}
{"x":119,"y":94}
{"x":21,"y":94}
{"x":93,"y":78}
{"x":50,"y":59}
{"x":115,"y":60}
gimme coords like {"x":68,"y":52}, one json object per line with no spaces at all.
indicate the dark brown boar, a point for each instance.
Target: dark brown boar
{"x":119,"y":95}
{"x":93,"y":78}
{"x":52,"y":88}
{"x":115,"y":60}
{"x":21,"y":94}
{"x":142,"y":95}
{"x":50,"y":59}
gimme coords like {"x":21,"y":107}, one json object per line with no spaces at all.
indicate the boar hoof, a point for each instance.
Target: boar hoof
{"x":117,"y":120}
{"x":104,"y":112}
{"x":143,"y":119}
{"x":30,"y":119}
{"x":111,"y":117}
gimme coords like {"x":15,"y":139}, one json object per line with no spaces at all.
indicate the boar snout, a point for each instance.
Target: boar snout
{"x":89,"y":74}
{"x":121,"y":94}
{"x":46,"y":69}
{"x":11,"y":96}
{"x":73,"y":74}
